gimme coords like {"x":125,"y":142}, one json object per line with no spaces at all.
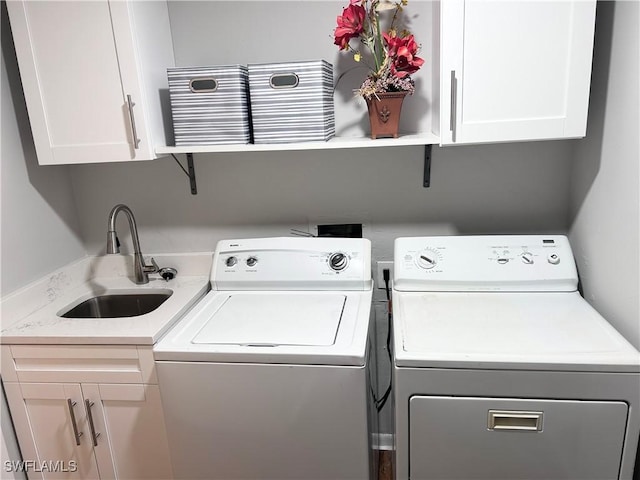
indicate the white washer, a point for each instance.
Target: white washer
{"x":502,"y":370}
{"x":268,"y":376}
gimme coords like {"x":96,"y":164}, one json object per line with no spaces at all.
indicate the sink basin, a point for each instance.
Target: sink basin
{"x":117,"y":305}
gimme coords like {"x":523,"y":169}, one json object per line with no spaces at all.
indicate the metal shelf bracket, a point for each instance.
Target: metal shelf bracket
{"x":426,"y":176}
{"x":191,"y":172}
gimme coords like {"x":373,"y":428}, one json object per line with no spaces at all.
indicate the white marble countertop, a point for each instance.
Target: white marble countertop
{"x":31,"y":315}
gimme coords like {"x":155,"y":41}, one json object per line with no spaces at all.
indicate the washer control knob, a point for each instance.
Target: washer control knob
{"x":527,"y":258}
{"x":553,"y":259}
{"x":231,"y":261}
{"x":251,"y":261}
{"x":338,"y":261}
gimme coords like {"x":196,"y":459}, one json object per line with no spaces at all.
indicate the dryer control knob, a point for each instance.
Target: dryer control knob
{"x":231,"y":261}
{"x":338,"y":261}
{"x":427,"y":259}
{"x":251,"y":261}
{"x":553,"y":259}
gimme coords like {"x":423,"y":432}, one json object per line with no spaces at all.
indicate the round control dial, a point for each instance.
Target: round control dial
{"x":231,"y":261}
{"x":553,"y":259}
{"x":251,"y":261}
{"x":527,"y":258}
{"x":338,"y":261}
{"x":427,"y":258}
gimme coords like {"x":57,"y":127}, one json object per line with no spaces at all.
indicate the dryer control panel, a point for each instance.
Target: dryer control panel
{"x":292,"y":263}
{"x":484,"y":263}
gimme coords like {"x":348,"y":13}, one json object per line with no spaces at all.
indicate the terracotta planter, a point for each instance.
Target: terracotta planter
{"x":384,"y":114}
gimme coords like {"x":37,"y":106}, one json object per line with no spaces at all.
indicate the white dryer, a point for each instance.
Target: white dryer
{"x":268,"y":376}
{"x":502,"y":370}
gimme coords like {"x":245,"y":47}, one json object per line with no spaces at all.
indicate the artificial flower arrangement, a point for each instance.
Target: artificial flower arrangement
{"x":391,"y":55}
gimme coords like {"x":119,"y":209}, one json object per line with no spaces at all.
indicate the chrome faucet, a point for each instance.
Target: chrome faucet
{"x":141,"y":270}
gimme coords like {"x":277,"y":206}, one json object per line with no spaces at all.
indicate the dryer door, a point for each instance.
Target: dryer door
{"x":491,"y":438}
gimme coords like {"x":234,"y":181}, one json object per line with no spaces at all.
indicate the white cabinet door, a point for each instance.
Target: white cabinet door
{"x":80,"y":65}
{"x":52,"y":430}
{"x":128,"y":431}
{"x":117,"y":431}
{"x":515,"y":70}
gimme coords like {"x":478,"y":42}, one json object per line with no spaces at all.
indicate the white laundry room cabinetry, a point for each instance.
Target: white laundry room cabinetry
{"x":514,"y":71}
{"x":87,"y":412}
{"x":92,"y":75}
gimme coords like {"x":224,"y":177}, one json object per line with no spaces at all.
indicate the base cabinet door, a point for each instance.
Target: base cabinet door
{"x":89,"y":431}
{"x":52,"y":430}
{"x":515,"y":70}
{"x":516,"y":439}
{"x":128,"y":431}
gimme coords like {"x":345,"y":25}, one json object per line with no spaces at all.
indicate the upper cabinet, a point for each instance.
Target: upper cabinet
{"x":514,"y":70}
{"x":92,"y":75}
{"x":95,"y":81}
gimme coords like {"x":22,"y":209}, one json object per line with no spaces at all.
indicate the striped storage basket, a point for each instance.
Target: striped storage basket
{"x":209,"y":105}
{"x":292,"y":102}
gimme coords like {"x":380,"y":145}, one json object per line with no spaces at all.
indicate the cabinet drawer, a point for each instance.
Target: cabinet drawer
{"x":78,"y":363}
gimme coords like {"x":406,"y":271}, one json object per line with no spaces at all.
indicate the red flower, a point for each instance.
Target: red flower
{"x":402,"y":53}
{"x":350,"y":24}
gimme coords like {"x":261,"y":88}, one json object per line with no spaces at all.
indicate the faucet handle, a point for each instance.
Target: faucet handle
{"x":153,"y":268}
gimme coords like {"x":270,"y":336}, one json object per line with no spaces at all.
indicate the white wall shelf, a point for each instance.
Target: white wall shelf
{"x":333,"y":144}
{"x":426,"y":140}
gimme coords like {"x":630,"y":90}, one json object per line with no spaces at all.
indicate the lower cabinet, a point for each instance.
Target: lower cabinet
{"x":45,"y":416}
{"x":86,"y":413}
{"x":105,"y":431}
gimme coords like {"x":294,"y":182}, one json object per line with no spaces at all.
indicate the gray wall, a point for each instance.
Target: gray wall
{"x":39,"y":221}
{"x":485,"y":189}
{"x":605,"y":204}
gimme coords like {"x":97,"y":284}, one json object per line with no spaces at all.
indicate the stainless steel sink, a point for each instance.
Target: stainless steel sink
{"x":117,"y":305}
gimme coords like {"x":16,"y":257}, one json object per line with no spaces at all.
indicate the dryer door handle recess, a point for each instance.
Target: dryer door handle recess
{"x":510,"y":420}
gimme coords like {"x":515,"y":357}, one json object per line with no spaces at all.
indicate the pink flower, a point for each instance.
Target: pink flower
{"x":350,"y":24}
{"x":402,"y":54}
{"x":392,"y":44}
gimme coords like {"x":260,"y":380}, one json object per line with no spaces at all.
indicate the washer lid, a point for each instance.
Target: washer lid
{"x":508,"y":330}
{"x":274,"y":319}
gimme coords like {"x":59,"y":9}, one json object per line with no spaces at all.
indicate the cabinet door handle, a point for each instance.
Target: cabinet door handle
{"x":76,"y":433}
{"x":88,"y":404}
{"x":454,"y":106}
{"x":136,"y":140}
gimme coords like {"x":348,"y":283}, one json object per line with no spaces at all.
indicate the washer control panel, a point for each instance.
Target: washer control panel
{"x":487,"y":262}
{"x":292,"y":264}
